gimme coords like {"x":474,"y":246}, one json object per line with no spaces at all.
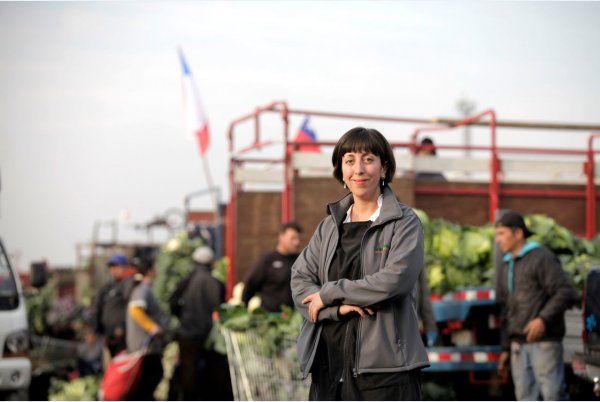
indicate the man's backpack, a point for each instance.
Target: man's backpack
{"x":176,"y":300}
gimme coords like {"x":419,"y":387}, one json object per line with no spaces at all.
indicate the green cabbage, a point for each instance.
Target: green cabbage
{"x":462,"y":256}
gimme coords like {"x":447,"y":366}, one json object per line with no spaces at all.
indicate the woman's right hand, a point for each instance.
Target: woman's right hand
{"x":346,"y":309}
{"x":315,"y":304}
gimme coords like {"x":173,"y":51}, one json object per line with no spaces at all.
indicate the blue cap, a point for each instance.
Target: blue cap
{"x":118,"y":259}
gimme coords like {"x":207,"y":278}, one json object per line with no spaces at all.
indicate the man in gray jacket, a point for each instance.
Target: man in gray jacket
{"x":533,"y":292}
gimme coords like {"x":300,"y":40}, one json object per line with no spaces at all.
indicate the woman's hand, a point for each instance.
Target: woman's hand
{"x":315,"y":304}
{"x":348,"y":309}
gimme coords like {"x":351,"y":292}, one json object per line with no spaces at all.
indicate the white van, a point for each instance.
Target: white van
{"x":15,"y":366}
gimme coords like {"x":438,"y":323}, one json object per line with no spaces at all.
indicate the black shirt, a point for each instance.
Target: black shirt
{"x":337,"y":346}
{"x":271,"y":278}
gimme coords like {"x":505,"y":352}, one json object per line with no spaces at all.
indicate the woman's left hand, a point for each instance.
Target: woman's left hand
{"x":315,"y":304}
{"x":346,"y":309}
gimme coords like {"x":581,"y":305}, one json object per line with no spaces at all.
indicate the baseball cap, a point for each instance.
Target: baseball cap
{"x":117,"y":259}
{"x":203,"y":255}
{"x":512,"y":219}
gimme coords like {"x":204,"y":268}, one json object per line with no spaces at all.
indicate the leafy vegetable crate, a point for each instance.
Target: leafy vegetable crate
{"x":265,"y":374}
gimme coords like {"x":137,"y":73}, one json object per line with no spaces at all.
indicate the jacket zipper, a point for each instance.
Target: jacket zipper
{"x":358,"y":327}
{"x":328,"y":260}
{"x":345,"y":352}
{"x":355,"y":370}
{"x":362,"y":271}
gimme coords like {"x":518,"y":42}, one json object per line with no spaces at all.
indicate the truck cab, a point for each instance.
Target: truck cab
{"x":15,"y":366}
{"x":586,"y":364}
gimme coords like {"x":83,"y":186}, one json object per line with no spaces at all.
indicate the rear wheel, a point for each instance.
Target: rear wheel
{"x":579,"y":389}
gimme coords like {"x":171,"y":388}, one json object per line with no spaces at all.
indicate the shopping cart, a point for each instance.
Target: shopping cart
{"x":257,"y":375}
{"x":51,"y":354}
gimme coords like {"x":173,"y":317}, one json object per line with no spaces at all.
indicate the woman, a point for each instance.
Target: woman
{"x":355,"y":283}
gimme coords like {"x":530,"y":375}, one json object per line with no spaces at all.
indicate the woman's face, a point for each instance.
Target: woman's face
{"x":362,"y":172}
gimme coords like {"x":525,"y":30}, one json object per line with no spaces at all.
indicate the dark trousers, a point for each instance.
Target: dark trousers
{"x":333,"y":363}
{"x":115,"y":344}
{"x":192,"y":358}
{"x":204,"y":374}
{"x":152,"y":373}
{"x":404,"y":386}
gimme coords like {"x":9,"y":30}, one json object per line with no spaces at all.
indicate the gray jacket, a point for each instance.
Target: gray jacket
{"x":392,"y":257}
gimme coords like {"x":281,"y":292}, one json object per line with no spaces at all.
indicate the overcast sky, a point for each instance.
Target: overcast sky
{"x":91,"y":121}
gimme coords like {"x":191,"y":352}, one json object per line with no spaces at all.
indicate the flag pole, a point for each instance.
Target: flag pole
{"x":209,"y":183}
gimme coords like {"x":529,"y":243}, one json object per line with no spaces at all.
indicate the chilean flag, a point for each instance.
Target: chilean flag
{"x":306,"y":134}
{"x":196,"y":122}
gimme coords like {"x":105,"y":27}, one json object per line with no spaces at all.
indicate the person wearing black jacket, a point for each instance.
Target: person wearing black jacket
{"x":111,"y":304}
{"x":533,"y":292}
{"x":204,"y":374}
{"x":271,"y":275}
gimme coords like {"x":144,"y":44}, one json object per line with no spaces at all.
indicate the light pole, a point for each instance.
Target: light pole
{"x":466,"y":108}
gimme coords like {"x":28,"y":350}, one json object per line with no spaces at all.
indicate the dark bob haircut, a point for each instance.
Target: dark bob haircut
{"x":360,"y":139}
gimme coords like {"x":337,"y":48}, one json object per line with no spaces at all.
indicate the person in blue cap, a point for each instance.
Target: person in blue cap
{"x":111,"y":304}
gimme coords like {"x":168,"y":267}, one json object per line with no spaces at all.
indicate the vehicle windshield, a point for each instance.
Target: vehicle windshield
{"x":8,"y":287}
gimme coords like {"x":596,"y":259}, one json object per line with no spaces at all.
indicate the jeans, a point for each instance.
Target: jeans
{"x":538,"y":368}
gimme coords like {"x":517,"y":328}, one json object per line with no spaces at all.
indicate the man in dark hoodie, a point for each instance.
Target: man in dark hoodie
{"x":204,"y":374}
{"x":534,"y":293}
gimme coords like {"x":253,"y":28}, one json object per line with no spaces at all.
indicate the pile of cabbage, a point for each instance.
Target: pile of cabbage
{"x":174,"y":263}
{"x":80,"y":389}
{"x":463,"y":256}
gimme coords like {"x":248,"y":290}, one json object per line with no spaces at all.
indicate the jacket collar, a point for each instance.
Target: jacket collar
{"x":390,"y":208}
{"x":530,"y":245}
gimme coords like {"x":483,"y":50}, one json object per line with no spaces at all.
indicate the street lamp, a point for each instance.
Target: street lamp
{"x":466,"y":108}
